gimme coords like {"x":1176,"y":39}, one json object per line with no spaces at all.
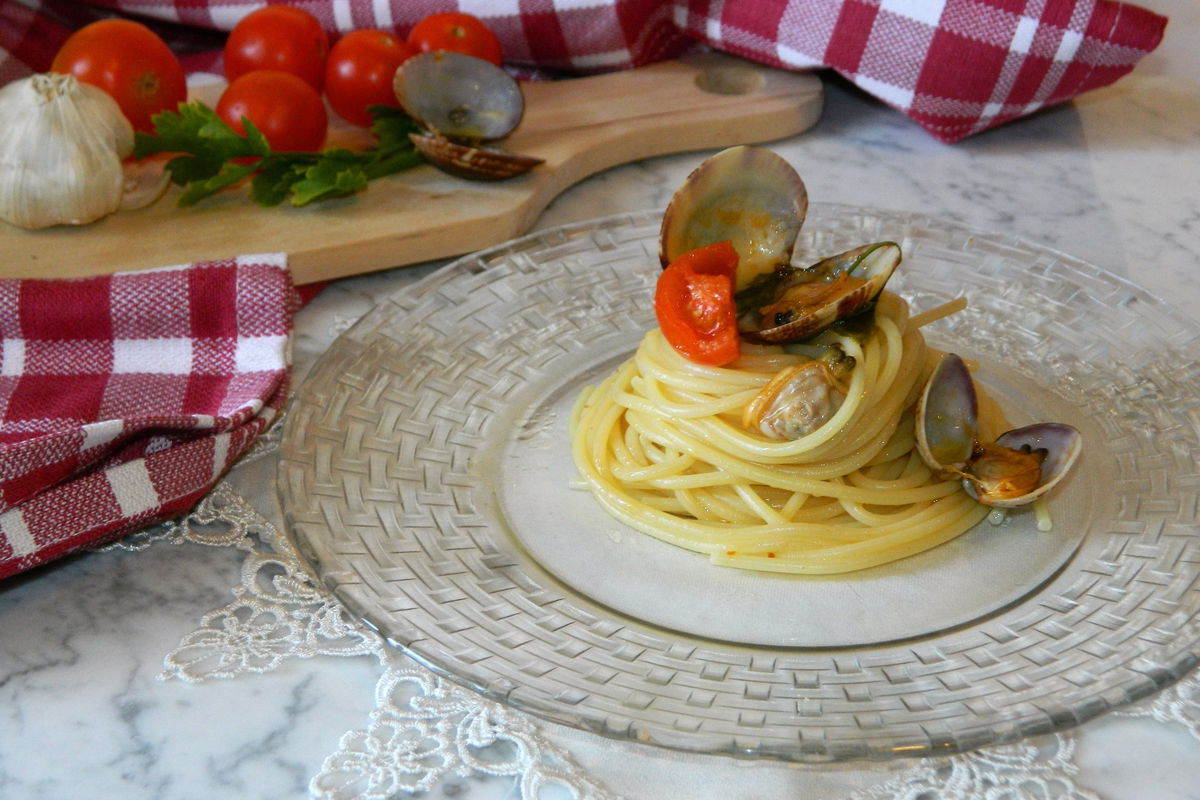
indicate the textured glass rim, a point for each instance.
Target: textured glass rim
{"x":1172,"y":649}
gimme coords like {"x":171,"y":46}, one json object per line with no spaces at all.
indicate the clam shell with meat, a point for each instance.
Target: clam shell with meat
{"x":792,"y":304}
{"x":1022,"y":464}
{"x":753,"y":198}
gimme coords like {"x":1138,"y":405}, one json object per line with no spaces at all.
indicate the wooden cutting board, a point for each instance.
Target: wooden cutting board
{"x":579,"y":126}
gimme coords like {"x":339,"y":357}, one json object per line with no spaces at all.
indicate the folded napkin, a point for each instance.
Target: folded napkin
{"x":124,"y":398}
{"x":956,"y":67}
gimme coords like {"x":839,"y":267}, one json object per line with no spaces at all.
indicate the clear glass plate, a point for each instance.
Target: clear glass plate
{"x":425,"y":473}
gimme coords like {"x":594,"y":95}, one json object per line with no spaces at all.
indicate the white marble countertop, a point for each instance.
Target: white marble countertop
{"x":1113,"y":178}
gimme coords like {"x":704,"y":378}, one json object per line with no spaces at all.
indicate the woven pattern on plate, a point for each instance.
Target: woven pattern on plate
{"x":385,"y":478}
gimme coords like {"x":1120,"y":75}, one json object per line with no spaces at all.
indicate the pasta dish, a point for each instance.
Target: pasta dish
{"x":793,"y":419}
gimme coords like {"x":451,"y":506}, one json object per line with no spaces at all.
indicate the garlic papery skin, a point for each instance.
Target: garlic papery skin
{"x":61,"y":146}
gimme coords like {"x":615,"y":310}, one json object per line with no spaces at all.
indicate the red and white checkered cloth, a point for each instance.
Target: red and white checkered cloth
{"x":957,"y":67}
{"x":124,"y":398}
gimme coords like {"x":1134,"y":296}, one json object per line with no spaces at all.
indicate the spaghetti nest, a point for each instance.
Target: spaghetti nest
{"x":662,"y":446}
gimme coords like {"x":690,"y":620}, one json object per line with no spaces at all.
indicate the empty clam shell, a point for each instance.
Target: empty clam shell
{"x":947,"y":416}
{"x":471,"y":161}
{"x":747,"y":195}
{"x":459,"y":96}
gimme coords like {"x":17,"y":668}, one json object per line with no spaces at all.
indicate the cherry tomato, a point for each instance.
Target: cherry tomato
{"x":281,"y":38}
{"x":461,"y":33}
{"x":359,"y":73}
{"x":694,"y":304}
{"x":283,"y":107}
{"x":130,"y":62}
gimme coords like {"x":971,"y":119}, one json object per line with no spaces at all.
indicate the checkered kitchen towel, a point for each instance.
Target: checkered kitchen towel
{"x":956,"y":67}
{"x":124,"y":398}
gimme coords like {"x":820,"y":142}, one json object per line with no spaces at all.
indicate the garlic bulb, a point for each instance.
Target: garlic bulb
{"x":61,"y":146}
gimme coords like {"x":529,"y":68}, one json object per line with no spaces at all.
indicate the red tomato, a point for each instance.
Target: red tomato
{"x":694,"y":304}
{"x":130,"y":62}
{"x":359,"y":73}
{"x":461,"y":33}
{"x":281,"y":38}
{"x":284,"y":108}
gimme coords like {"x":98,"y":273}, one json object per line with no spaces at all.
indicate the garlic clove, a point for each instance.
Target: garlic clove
{"x":61,"y":146}
{"x":145,"y":181}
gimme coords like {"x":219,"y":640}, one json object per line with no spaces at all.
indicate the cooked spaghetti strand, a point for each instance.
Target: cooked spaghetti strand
{"x":661,"y":445}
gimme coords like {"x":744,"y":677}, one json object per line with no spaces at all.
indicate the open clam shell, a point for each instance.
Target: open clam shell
{"x":792,"y":304}
{"x":1019,"y":467}
{"x":749,"y":196}
{"x":947,"y":416}
{"x":1060,"y":446}
{"x":461,"y":97}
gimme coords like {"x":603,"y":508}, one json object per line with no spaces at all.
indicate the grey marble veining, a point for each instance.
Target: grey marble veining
{"x":1113,"y":179}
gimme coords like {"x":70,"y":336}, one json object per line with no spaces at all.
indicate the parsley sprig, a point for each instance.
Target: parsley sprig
{"x":212,"y":156}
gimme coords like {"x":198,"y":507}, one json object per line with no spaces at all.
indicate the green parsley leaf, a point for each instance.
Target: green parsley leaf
{"x":228,"y":175}
{"x":339,"y":173}
{"x":211,"y":157}
{"x":273,"y":182}
{"x":392,"y":127}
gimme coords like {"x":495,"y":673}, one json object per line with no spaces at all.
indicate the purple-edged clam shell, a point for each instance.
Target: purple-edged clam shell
{"x":1062,"y":443}
{"x":947,"y":416}
{"x":473,"y":162}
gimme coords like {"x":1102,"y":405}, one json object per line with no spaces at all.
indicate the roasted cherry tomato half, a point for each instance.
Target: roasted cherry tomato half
{"x":288,"y":111}
{"x":359,"y":73}
{"x":281,"y":38}
{"x":694,"y":304}
{"x":457,"y":32}
{"x":130,"y":62}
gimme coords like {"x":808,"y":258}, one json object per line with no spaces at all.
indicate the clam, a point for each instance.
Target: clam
{"x":797,"y":401}
{"x":754,"y":199}
{"x":463,"y":102}
{"x":471,"y":162}
{"x":748,"y":196}
{"x":1019,"y":467}
{"x":947,"y":416}
{"x":791,"y":303}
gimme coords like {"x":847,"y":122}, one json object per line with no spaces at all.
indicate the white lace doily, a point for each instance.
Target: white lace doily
{"x":425,"y":729}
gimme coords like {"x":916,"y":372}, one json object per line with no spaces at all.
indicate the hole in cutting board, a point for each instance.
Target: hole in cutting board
{"x":730,"y":80}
